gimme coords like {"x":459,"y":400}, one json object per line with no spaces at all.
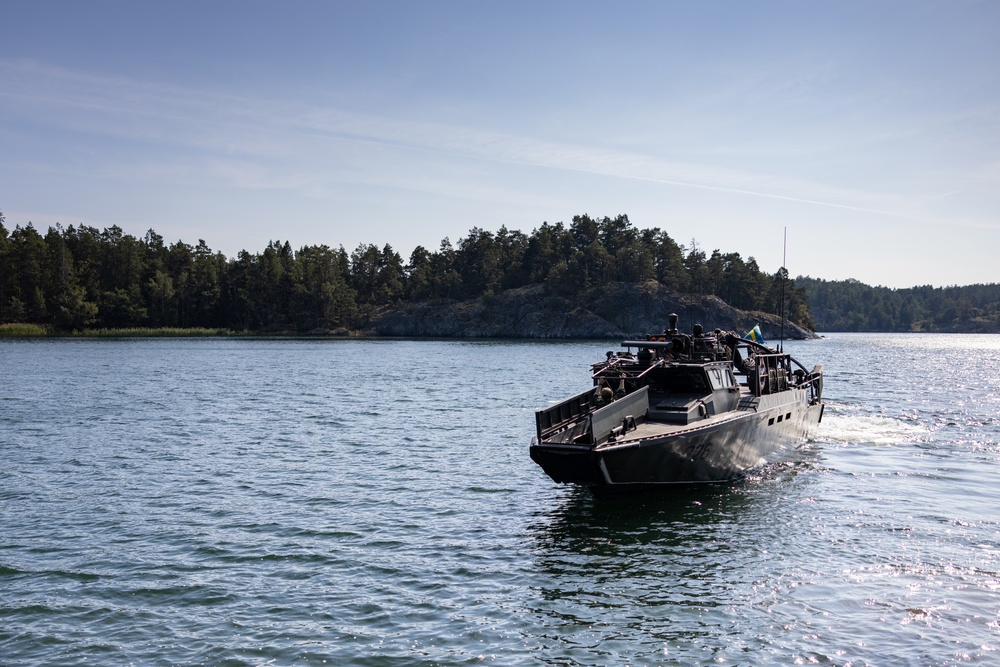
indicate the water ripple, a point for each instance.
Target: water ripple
{"x":252,"y":502}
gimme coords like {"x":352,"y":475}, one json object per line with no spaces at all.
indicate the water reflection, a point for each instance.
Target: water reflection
{"x":662,"y":574}
{"x":688,"y":515}
{"x":579,"y":522}
{"x":662,"y":578}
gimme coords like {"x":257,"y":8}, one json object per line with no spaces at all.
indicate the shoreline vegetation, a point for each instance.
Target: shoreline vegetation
{"x":594,"y":277}
{"x":23,"y":330}
{"x":33,"y":331}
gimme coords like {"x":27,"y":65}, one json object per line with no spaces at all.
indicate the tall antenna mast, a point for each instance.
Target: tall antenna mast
{"x":781,"y":308}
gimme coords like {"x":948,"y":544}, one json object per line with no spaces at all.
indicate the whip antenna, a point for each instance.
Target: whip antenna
{"x":781,"y":308}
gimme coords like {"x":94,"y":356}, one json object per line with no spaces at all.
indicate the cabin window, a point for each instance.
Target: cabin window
{"x":684,"y":381}
{"x":721,"y":378}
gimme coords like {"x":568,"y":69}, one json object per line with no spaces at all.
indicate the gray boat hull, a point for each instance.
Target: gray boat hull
{"x":654,"y":456}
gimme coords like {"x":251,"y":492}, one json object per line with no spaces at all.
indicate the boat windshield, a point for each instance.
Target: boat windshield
{"x":684,"y":380}
{"x":721,"y":377}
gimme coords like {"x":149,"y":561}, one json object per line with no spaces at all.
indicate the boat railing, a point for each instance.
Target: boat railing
{"x":620,"y":371}
{"x":576,"y":420}
{"x":774,"y":372}
{"x":561,"y":415}
{"x":622,"y":411}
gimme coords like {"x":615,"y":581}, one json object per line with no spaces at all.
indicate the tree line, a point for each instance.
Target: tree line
{"x":78,"y":277}
{"x":849,"y":305}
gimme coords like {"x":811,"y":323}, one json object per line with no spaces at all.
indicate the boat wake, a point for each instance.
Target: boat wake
{"x":869,"y":429}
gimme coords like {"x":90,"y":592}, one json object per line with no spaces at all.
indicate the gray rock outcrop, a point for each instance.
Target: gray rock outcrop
{"x":614,"y":311}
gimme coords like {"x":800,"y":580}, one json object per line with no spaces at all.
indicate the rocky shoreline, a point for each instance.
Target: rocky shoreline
{"x":614,"y":311}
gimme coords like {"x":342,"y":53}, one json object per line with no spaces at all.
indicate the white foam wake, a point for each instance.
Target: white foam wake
{"x":871,"y":429}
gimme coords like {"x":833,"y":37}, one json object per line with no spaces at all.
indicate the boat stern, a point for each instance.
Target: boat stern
{"x":568,"y":464}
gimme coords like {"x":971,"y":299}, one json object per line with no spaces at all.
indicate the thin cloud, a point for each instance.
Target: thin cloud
{"x":316,"y":147}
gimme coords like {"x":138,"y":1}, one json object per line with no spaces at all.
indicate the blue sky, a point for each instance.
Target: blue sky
{"x":870,"y":130}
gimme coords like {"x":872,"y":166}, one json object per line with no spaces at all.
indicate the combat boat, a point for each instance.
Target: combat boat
{"x":677,"y":409}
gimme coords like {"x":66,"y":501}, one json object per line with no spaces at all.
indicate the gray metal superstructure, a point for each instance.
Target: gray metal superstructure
{"x":681,"y":409}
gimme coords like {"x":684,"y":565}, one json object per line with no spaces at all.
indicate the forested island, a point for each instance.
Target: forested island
{"x":849,"y":305}
{"x":595,"y":277}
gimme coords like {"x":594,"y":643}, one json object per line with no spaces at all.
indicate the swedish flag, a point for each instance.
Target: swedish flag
{"x":755,"y":335}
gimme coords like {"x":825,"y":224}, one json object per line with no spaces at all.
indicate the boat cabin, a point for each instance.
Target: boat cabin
{"x":682,"y":394}
{"x":675,"y":379}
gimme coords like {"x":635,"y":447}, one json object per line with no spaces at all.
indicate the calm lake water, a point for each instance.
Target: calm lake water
{"x":346,"y":502}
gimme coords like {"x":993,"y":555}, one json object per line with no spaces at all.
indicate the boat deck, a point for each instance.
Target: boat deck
{"x":647,"y":428}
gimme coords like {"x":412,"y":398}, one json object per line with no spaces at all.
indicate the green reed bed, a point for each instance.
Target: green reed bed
{"x":155,"y":332}
{"x":22,"y":330}
{"x":18,"y":330}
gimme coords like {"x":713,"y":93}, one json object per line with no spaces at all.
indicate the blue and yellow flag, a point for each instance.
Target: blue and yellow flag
{"x":755,"y":335}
